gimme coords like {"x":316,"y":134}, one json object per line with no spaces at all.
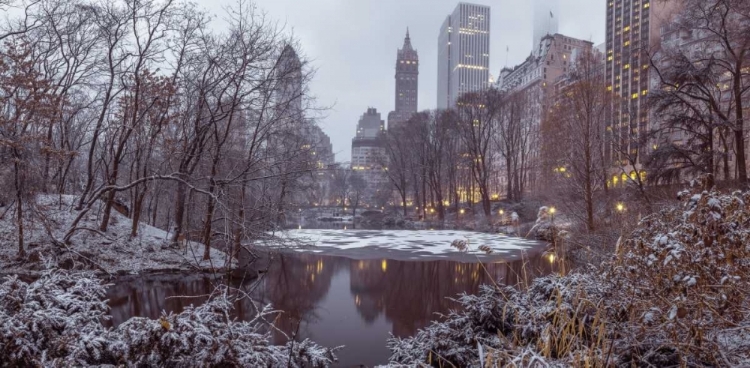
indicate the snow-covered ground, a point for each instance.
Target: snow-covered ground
{"x":115,"y":253}
{"x":418,"y":244}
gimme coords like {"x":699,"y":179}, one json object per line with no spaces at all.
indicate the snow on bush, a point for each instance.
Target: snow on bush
{"x":684,"y":274}
{"x":675,"y":294}
{"x":57,"y":321}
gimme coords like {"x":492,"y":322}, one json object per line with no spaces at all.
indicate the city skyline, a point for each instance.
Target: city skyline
{"x":350,"y":81}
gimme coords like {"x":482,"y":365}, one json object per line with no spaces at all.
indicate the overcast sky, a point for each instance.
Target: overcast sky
{"x":353,"y":43}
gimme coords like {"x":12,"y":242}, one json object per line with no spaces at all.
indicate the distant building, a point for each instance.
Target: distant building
{"x":290,"y":92}
{"x":546,"y":15}
{"x":407,"y":83}
{"x":463,"y":53}
{"x":554,"y":57}
{"x":633,"y":29}
{"x":296,"y":130}
{"x":368,"y":149}
{"x":533,"y":81}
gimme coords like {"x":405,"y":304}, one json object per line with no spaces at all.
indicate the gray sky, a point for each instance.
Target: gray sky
{"x":353,"y":43}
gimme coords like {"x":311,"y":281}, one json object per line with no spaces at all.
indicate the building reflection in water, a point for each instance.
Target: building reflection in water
{"x":336,"y":300}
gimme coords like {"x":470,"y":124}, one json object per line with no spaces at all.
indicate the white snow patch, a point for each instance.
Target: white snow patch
{"x":435,"y":242}
{"x":117,"y":252}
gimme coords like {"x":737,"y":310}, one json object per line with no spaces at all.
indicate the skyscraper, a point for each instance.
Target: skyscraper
{"x":368,"y":150}
{"x":407,"y":83}
{"x":633,"y":30}
{"x":546,"y":14}
{"x":463,"y":53}
{"x":290,"y":92}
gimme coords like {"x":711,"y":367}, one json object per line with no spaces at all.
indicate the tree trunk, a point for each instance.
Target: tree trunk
{"x":210,"y":211}
{"x":19,"y":207}
{"x":207,"y":228}
{"x":135,"y":213}
{"x":107,"y":211}
{"x":509,"y":178}
{"x":403,"y":200}
{"x":179,"y":216}
{"x":739,"y":132}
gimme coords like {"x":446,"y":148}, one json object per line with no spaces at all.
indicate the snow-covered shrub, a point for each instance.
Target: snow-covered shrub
{"x":551,"y":318}
{"x":683,"y":277}
{"x":674,"y":294}
{"x":56,"y":318}
{"x":544,"y":227}
{"x":57,"y":321}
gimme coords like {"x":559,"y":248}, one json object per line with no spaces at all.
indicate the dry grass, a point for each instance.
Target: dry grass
{"x":673,"y":293}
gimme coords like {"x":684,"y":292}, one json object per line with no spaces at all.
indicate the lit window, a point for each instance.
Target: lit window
{"x":627,"y":66}
{"x":627,"y":43}
{"x":635,"y":95}
{"x":609,"y":88}
{"x":646,"y":5}
{"x":644,"y":92}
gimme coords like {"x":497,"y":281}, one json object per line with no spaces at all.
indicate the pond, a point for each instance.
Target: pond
{"x":355,"y":297}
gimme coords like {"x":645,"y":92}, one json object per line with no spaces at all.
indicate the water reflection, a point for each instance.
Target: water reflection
{"x":336,"y":300}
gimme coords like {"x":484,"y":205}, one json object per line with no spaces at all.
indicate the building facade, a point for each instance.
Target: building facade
{"x":368,"y":150}
{"x":532,"y":82}
{"x":633,"y":30}
{"x":463,"y":53}
{"x":546,"y":13}
{"x":407,"y":83}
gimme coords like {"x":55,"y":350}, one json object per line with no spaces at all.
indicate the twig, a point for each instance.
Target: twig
{"x":7,"y":209}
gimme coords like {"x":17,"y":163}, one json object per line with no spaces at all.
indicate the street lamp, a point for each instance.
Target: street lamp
{"x":501,"y":212}
{"x":620,"y":207}
{"x":552,"y":211}
{"x":462,"y":211}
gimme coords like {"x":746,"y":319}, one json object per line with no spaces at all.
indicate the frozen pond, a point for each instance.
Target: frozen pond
{"x":409,"y":245}
{"x":351,"y":288}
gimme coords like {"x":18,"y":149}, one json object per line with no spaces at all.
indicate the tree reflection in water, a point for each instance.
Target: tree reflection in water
{"x":335,"y":300}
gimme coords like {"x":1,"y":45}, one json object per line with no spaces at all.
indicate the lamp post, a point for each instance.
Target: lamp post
{"x":552,"y":211}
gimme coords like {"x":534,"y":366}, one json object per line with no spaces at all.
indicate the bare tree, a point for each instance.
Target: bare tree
{"x":478,"y":114}
{"x":722,"y":27}
{"x":580,"y":115}
{"x":26,"y":108}
{"x":398,"y":159}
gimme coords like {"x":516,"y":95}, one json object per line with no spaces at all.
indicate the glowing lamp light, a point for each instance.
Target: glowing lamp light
{"x":462,"y":211}
{"x":501,"y":212}
{"x":620,"y":207}
{"x":552,"y":210}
